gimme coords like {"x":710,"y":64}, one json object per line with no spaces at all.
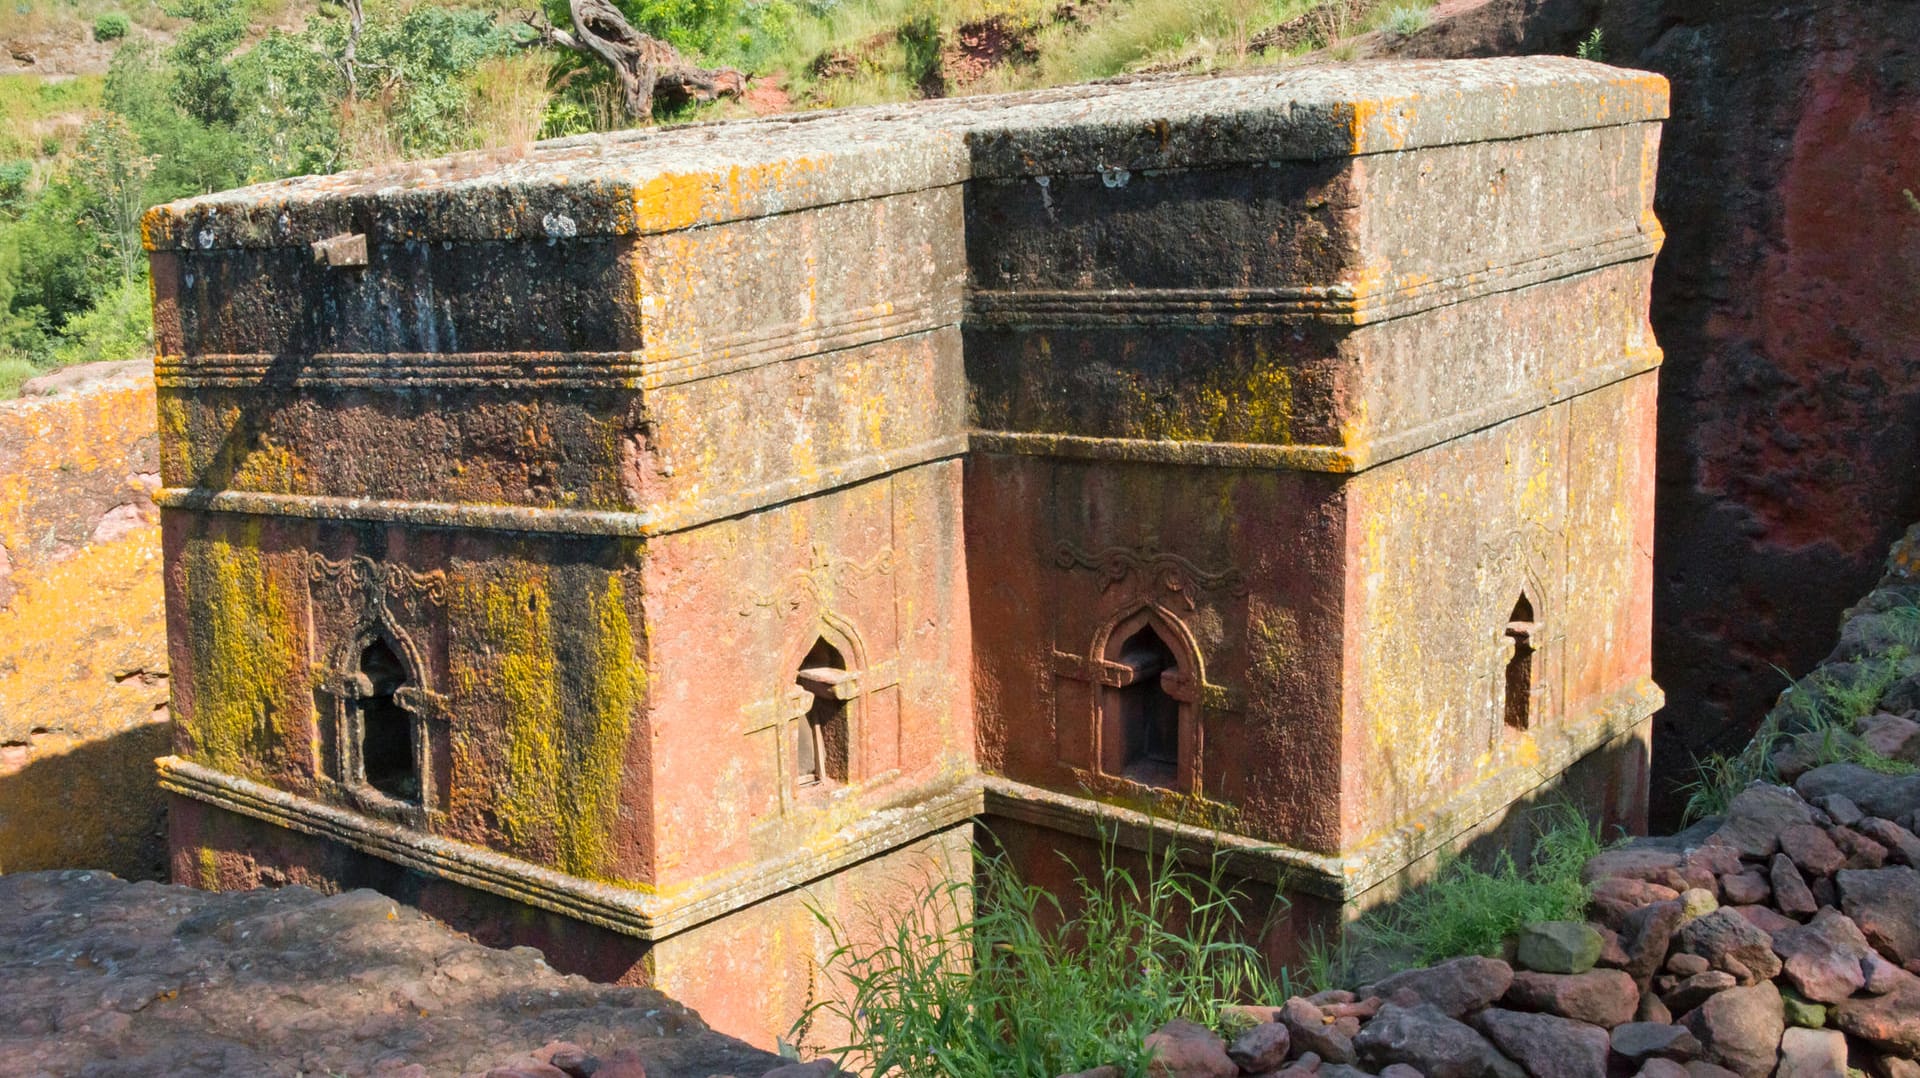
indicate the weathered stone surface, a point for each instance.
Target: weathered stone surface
{"x":1661,"y":1068}
{"x":1758,"y":815}
{"x":1601,"y":997}
{"x":1903,"y":846}
{"x":1183,"y":1049}
{"x":1697,"y":989}
{"x":1840,"y":808}
{"x":1812,"y":1053}
{"x":1546,"y":1045}
{"x":1885,"y":904}
{"x":1764,"y":918}
{"x":1811,"y":850}
{"x":1861,"y":851}
{"x":1262,"y":1048}
{"x":1893,"y":736}
{"x":1724,"y":939}
{"x":1790,"y":890}
{"x":1454,"y":987}
{"x":1614,"y":898}
{"x":1822,"y":959}
{"x":1558,"y":947}
{"x":1648,"y":933}
{"x":83,"y":650}
{"x":1740,"y":1029}
{"x":1886,"y":796}
{"x":1890,"y":1021}
{"x":1745,"y":888}
{"x":1426,"y":1039}
{"x":1311,"y":1031}
{"x":290,"y":981}
{"x":1640,"y":1041}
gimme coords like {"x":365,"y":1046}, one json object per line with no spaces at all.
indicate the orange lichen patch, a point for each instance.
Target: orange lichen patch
{"x":83,"y":644}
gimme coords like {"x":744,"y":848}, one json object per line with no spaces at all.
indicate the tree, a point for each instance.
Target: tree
{"x":645,"y":65}
{"x":114,"y":173}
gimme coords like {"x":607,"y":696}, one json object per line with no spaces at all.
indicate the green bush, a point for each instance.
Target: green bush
{"x":993,"y":976}
{"x":111,"y":26}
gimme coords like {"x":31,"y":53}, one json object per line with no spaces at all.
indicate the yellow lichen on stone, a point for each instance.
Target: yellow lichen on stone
{"x":247,"y":658}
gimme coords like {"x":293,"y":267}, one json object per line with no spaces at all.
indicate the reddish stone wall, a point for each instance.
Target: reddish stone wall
{"x":83,"y":670}
{"x":1788,"y":302}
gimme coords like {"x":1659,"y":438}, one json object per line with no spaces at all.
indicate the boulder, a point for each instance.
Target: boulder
{"x":1812,"y":1053}
{"x":1757,"y":816}
{"x":1545,"y":1045}
{"x":1641,"y":1041}
{"x":1312,"y":1030}
{"x":1790,"y":891}
{"x":1764,"y":918}
{"x":1730,"y":942}
{"x":1696,"y":990}
{"x":1745,"y":888}
{"x":1840,"y":809}
{"x":1861,"y":851}
{"x":1558,"y":947}
{"x":1802,"y":1012}
{"x":1613,"y":900}
{"x":1426,"y":1039}
{"x":1601,"y":997}
{"x":1889,"y":1022}
{"x":1892,"y":736}
{"x":1700,"y":1068}
{"x":1740,"y":1029}
{"x":1813,"y":853}
{"x":1887,"y":796}
{"x":1648,"y":864}
{"x":1902,"y":845}
{"x":1647,"y":934}
{"x":1661,"y":1068}
{"x":1454,"y":987}
{"x":1183,"y":1049}
{"x":1821,"y":959}
{"x":1262,"y":1048}
{"x":1885,"y":903}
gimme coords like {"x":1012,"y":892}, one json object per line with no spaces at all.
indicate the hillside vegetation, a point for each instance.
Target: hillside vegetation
{"x":152,"y":100}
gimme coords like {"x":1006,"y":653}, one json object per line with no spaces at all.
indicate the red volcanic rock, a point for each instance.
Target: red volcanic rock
{"x":1601,"y":997}
{"x":1740,"y":1029}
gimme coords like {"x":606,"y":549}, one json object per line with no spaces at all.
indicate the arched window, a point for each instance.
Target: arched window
{"x":388,"y":761}
{"x":1147,"y":716}
{"x":1518,"y":705}
{"x":820,"y":738}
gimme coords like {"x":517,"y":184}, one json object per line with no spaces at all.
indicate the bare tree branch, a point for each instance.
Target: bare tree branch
{"x":645,"y":66}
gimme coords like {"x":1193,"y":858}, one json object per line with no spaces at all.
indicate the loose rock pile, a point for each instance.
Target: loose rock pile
{"x":1782,"y":939}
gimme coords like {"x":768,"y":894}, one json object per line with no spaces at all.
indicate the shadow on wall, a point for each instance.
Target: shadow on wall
{"x":75,"y":803}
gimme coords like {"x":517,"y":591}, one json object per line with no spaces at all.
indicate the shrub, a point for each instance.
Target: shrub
{"x":1592,"y":47}
{"x":990,"y":975}
{"x":1403,"y":20}
{"x":1465,"y":910}
{"x":111,"y":26}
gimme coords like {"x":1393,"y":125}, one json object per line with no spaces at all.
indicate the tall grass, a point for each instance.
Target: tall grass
{"x":995,"y":976}
{"x":1465,"y":910}
{"x":509,"y":101}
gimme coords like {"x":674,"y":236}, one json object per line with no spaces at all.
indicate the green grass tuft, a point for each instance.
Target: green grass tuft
{"x":994,"y":976}
{"x":1465,"y":910}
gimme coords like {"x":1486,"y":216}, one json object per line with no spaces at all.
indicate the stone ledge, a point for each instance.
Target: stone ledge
{"x":648,"y":915}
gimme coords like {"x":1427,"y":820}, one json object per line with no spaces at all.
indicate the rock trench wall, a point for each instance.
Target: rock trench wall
{"x":83,"y":667}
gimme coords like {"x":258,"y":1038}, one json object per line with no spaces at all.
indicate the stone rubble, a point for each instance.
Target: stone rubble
{"x":1781,"y":941}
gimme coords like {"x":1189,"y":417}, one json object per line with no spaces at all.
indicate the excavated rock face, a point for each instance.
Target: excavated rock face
{"x":83,"y":663}
{"x":166,"y":980}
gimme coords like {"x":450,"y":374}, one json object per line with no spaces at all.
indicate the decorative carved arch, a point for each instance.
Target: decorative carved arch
{"x":1128,"y":694}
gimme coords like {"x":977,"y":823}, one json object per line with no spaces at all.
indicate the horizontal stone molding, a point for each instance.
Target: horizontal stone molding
{"x":1342,"y":304}
{"x":647,"y":914}
{"x":553,"y":520}
{"x":1307,"y":458}
{"x":1344,"y":877}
